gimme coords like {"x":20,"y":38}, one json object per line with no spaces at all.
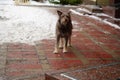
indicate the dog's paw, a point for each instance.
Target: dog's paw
{"x":65,"y":50}
{"x":55,"y":51}
{"x":69,"y":45}
{"x":60,"y":47}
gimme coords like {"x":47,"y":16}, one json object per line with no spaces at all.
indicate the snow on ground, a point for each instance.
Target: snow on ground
{"x":94,"y":16}
{"x":39,"y":3}
{"x":6,"y":2}
{"x":25,"y":24}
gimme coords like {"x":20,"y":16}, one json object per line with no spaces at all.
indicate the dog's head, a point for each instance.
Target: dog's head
{"x":64,"y":18}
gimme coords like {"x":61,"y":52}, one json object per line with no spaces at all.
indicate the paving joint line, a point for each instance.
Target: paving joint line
{"x":115,"y":56}
{"x":27,"y":76}
{"x":80,"y":56}
{"x":3,"y":56}
{"x":45,"y":65}
{"x":108,"y":33}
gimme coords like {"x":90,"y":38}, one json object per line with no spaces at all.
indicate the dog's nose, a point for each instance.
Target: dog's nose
{"x":66,"y":20}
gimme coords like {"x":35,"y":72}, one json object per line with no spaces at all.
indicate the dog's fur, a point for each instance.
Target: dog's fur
{"x":63,"y":31}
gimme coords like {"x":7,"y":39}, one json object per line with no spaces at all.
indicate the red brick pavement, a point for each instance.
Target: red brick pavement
{"x":93,"y":43}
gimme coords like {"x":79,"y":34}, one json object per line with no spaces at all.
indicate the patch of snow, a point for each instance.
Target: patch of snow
{"x":26,"y":24}
{"x":95,"y":17}
{"x":111,"y":24}
{"x":75,"y":12}
{"x":75,"y":22}
{"x":83,"y":10}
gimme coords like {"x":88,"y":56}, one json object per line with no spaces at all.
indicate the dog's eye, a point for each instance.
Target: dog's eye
{"x":67,"y":16}
{"x":63,"y":16}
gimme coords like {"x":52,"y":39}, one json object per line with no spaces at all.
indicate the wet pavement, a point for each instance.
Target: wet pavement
{"x":94,"y":55}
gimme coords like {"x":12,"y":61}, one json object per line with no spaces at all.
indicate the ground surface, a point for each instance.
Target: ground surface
{"x":94,"y":55}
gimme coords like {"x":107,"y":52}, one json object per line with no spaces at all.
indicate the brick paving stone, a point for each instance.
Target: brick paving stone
{"x":117,"y":52}
{"x":49,"y":52}
{"x":26,"y":47}
{"x":16,"y":54}
{"x":52,"y":55}
{"x":96,"y":54}
{"x":113,"y":46}
{"x":15,"y":73}
{"x":94,"y":47}
{"x":69,"y":55}
{"x":58,"y":64}
{"x":23,"y":66}
{"x":14,"y":47}
{"x":22,"y":60}
{"x":73,"y":63}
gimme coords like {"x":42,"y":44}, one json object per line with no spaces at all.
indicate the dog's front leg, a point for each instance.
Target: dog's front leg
{"x":57,"y":44}
{"x":61,"y":43}
{"x":69,"y":42}
{"x":65,"y":45}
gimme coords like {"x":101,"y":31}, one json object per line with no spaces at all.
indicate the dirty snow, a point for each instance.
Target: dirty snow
{"x":25,"y":24}
{"x":93,"y":6}
{"x":95,"y":17}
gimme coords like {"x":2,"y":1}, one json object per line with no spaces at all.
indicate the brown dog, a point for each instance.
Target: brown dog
{"x":63,"y":31}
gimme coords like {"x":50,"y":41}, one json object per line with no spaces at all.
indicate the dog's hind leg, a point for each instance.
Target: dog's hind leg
{"x":57,"y":44}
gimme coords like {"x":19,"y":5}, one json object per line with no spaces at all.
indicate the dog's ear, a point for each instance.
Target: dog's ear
{"x":59,"y":12}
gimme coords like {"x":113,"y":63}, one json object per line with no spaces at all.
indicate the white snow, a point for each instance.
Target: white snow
{"x":25,"y":24}
{"x":6,"y":2}
{"x":39,"y":3}
{"x":83,"y":10}
{"x":95,"y":17}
